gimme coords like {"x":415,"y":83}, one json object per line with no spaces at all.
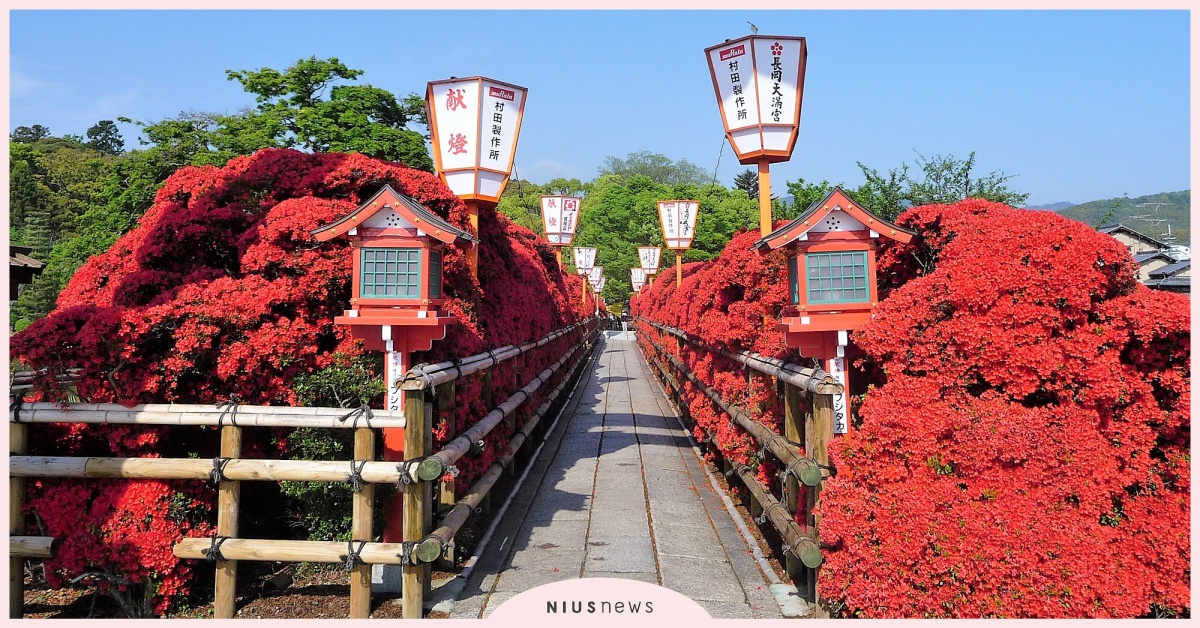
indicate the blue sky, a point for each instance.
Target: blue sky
{"x":1078,"y":105}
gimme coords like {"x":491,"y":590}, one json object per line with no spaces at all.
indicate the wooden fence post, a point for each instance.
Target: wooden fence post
{"x":485,"y":506}
{"x":416,"y":503}
{"x":427,"y":492}
{"x":446,"y":496}
{"x":228,"y":491}
{"x":818,"y":431}
{"x":18,"y":444}
{"x":793,"y":431}
{"x":361,"y":529}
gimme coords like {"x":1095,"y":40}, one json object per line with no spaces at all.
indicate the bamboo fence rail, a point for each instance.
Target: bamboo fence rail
{"x":416,"y":475}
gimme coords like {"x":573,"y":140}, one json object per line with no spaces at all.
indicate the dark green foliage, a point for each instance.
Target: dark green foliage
{"x":747,"y":181}
{"x":29,"y":134}
{"x":351,"y":119}
{"x":106,"y":138}
{"x":321,"y":510}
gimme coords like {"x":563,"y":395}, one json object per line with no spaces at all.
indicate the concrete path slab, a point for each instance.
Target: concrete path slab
{"x":618,"y":492}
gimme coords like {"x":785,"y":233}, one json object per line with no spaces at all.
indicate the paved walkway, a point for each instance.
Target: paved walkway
{"x":618,"y":492}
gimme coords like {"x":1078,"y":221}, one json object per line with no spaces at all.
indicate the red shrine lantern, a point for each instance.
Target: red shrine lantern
{"x":398,"y":249}
{"x":830,"y":251}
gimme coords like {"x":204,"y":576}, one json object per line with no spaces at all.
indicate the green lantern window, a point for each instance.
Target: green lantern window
{"x":793,"y":280}
{"x":391,"y":273}
{"x":435,"y":274}
{"x":837,"y":277}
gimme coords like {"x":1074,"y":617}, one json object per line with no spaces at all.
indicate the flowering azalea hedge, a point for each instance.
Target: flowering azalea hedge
{"x":732,"y":302}
{"x":220,"y":291}
{"x":1022,"y":447}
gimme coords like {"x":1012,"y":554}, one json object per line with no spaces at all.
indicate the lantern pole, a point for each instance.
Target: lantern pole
{"x":393,"y":438}
{"x":678,"y":267}
{"x":473,"y":228}
{"x":764,"y":197}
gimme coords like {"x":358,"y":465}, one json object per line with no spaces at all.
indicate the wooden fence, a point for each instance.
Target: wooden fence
{"x":422,"y":544}
{"x":811,"y":429}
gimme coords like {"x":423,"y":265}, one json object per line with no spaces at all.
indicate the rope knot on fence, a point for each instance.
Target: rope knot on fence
{"x":213,"y":552}
{"x":217,"y":475}
{"x":228,"y":408}
{"x":15,"y":408}
{"x":363,"y":412}
{"x":356,"y":478}
{"x":353,"y":557}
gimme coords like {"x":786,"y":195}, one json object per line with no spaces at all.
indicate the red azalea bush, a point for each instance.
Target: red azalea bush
{"x":1026,"y":453}
{"x":1023,"y":449}
{"x":732,"y":302}
{"x":220,"y":291}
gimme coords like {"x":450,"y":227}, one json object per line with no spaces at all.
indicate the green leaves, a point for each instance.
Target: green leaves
{"x":296,"y":111}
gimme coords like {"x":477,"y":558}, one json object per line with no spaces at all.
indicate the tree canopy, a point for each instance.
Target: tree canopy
{"x":656,"y":167}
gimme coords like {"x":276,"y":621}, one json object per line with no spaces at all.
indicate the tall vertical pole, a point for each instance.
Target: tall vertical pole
{"x":678,"y":267}
{"x":416,"y":501}
{"x":764,"y":197}
{"x":473,"y":227}
{"x":393,"y":437}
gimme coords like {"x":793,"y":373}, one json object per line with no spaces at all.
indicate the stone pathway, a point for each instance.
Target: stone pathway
{"x":618,"y":492}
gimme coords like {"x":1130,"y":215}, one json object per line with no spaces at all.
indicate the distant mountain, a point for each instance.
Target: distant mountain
{"x":1054,"y":207}
{"x":1161,"y":216}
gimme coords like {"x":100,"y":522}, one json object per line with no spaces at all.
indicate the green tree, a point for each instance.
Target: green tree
{"x":29,"y":134}
{"x":521,"y":203}
{"x":350,"y":118}
{"x":620,"y":214}
{"x":105,"y":137}
{"x":943,"y":180}
{"x":656,"y":167}
{"x":747,"y":181}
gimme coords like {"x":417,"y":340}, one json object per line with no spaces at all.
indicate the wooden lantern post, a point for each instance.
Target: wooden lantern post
{"x":585,"y":258}
{"x":759,"y":84}
{"x":474,"y":124}
{"x":596,"y":279}
{"x":397,"y":253}
{"x":832,"y":283}
{"x":678,"y":221}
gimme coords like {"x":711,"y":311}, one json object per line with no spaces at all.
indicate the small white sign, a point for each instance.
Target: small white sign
{"x":650,"y":256}
{"x":393,"y":373}
{"x":599,"y":287}
{"x":585,"y":258}
{"x":596,"y":274}
{"x":841,"y":417}
{"x":637,"y":275}
{"x":678,"y":220}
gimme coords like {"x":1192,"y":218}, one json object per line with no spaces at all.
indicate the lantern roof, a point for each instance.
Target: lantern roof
{"x":814,"y":219}
{"x":401,"y":210}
